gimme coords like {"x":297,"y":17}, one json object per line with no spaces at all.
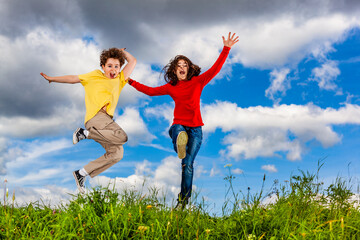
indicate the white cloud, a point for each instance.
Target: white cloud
{"x":165,"y":111}
{"x":270,"y":168}
{"x":287,"y":40}
{"x":22,"y":126}
{"x":237,"y":171}
{"x":266,"y":43}
{"x":279,"y":83}
{"x":38,"y":108}
{"x":50,"y":195}
{"x":19,"y":155}
{"x":326,"y":75}
{"x":267,"y":131}
{"x":214,"y":171}
{"x":165,"y":178}
{"x":199,"y":170}
{"x":264,"y":143}
{"x":143,"y":168}
{"x":4,"y":152}
{"x":39,"y":176}
{"x":134,"y":126}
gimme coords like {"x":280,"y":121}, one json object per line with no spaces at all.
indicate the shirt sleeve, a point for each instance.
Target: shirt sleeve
{"x":85,"y":78}
{"x":122,"y":79}
{"x":215,"y":69}
{"x":151,"y":91}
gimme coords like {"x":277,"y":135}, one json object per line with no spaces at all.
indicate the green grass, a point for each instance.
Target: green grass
{"x":303,"y":210}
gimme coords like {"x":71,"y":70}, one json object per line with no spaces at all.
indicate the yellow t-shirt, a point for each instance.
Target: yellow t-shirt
{"x":101,"y":91}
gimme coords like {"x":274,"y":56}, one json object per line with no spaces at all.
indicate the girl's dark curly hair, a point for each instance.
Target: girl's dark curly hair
{"x":170,"y":68}
{"x":112,"y":53}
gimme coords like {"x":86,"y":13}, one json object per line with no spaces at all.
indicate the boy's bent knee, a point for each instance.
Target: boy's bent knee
{"x":116,"y":160}
{"x":121,"y":136}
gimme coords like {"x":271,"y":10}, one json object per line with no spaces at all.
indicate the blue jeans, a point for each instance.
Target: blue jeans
{"x":192,"y":148}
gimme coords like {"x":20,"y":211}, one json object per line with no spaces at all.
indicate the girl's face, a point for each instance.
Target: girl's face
{"x":181,"y":70}
{"x":111,"y":68}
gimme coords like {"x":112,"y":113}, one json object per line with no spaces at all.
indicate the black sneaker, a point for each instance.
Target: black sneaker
{"x":181,"y":142}
{"x":80,"y":181}
{"x":78,"y":135}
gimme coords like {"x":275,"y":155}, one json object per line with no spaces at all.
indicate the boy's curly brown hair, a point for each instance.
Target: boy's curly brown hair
{"x":169,"y":70}
{"x":112,"y":53}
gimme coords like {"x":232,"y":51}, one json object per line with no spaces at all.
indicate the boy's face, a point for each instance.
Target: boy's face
{"x":111,"y":68}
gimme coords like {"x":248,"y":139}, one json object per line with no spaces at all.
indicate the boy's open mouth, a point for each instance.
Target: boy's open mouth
{"x":112,"y":75}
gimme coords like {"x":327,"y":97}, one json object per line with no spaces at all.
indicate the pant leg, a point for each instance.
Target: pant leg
{"x":114,"y":153}
{"x":174,"y":132}
{"x":187,"y":164}
{"x":111,"y":136}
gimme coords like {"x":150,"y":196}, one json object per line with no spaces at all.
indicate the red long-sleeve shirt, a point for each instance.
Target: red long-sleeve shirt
{"x":186,"y":94}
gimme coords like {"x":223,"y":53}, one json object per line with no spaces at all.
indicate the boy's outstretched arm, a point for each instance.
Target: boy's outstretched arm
{"x":131,"y":62}
{"x":62,"y":79}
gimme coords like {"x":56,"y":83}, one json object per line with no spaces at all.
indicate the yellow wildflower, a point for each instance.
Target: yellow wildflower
{"x":142,"y":228}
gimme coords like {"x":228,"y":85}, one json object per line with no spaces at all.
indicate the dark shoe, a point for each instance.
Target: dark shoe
{"x":181,"y":203}
{"x":78,"y":135}
{"x":181,"y":142}
{"x":80,"y":181}
{"x":179,"y":206}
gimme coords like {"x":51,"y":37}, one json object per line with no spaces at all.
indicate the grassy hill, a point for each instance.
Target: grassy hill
{"x":302,"y":210}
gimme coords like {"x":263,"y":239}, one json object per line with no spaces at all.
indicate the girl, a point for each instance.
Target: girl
{"x":184,"y":84}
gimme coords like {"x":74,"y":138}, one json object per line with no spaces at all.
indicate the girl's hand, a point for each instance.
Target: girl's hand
{"x":231,"y":40}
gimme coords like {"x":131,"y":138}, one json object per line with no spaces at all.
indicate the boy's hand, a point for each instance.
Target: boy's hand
{"x":231,"y":40}
{"x":45,"y":76}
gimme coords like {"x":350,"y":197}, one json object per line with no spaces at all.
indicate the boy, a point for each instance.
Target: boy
{"x":102,"y":91}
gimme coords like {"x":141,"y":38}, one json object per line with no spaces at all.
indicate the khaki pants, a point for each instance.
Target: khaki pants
{"x":111,"y":137}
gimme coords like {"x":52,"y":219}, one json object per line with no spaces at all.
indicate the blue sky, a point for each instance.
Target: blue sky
{"x":287,"y":96}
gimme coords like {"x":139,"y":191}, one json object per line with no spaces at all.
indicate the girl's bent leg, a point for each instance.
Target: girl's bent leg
{"x":174,"y":132}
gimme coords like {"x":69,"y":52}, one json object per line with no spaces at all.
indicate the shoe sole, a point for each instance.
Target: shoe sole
{"x":181,"y":142}
{"x":81,"y":189}
{"x":75,"y":140}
